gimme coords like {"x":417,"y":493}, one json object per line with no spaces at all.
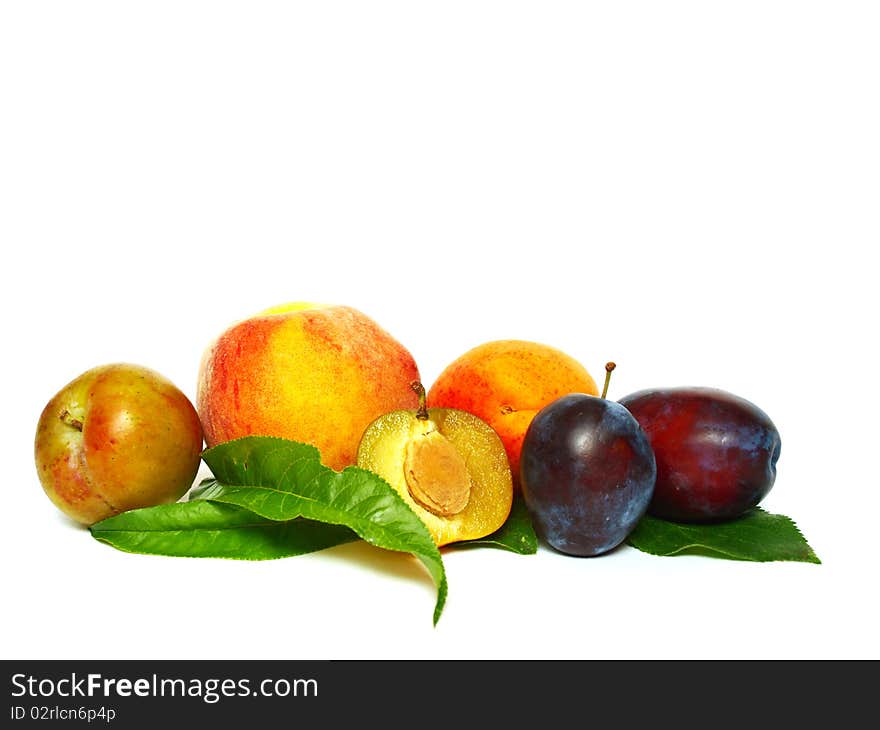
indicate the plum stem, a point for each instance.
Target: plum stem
{"x":68,"y":418}
{"x":608,"y":368}
{"x":422,"y":413}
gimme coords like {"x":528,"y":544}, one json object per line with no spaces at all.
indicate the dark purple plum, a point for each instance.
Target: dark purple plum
{"x":587,"y":473}
{"x":716,"y":452}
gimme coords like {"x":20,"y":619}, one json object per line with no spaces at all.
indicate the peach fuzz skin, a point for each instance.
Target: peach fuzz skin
{"x":116,"y":438}
{"x":318,"y":374}
{"x":505,"y":383}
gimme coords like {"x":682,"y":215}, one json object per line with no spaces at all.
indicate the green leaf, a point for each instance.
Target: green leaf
{"x":758,"y":536}
{"x":517,"y":533}
{"x":206,"y":488}
{"x":202,"y":529}
{"x":281,"y":480}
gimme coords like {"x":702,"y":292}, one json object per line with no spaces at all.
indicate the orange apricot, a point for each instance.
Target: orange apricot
{"x":505,"y":383}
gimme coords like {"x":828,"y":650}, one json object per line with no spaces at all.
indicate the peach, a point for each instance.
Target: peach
{"x":318,"y":374}
{"x":505,"y":383}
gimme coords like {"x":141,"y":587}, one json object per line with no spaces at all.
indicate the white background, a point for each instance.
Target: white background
{"x":688,"y":188}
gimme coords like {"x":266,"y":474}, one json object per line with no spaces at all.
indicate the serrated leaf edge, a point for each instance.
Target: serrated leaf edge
{"x":810,"y":556}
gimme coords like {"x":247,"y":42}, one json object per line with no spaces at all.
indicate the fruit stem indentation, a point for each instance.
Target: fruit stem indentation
{"x":68,"y":418}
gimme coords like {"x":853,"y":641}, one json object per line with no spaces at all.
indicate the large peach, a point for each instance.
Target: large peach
{"x":314,"y":373}
{"x":506,"y":382}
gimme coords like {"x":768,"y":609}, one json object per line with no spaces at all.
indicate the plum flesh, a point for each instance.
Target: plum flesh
{"x":716,"y":452}
{"x":587,"y":473}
